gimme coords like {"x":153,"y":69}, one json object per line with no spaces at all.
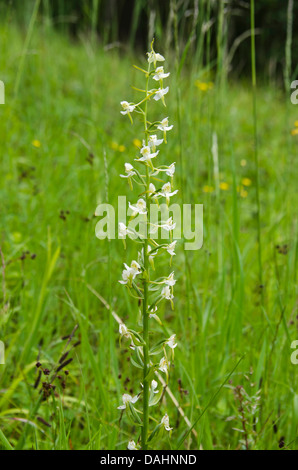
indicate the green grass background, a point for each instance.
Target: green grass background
{"x":67,"y":96}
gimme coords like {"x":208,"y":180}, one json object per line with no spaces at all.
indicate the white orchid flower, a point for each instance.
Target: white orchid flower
{"x":170,"y":170}
{"x":129,"y":273}
{"x":156,"y":317}
{"x":128,"y":108}
{"x":166,"y":423}
{"x":164,"y":127}
{"x":152,"y":192}
{"x":153,"y":141}
{"x":153,"y":310}
{"x":171,"y":247}
{"x":127,"y":277}
{"x":168,"y":225}
{"x":154,"y":57}
{"x":171,"y":342}
{"x":132,"y":445}
{"x":123,"y":330}
{"x":160,"y":93}
{"x":154,"y":386}
{"x":134,"y":265}
{"x":170,"y":281}
{"x":146,"y":154}
{"x":126,"y":398}
{"x":163,"y":365}
{"x":166,"y":191}
{"x":160,"y":74}
{"x":123,"y":230}
{"x":139,"y":207}
{"x":166,"y":293}
{"x":129,"y":170}
{"x":152,"y":314}
{"x":152,"y":189}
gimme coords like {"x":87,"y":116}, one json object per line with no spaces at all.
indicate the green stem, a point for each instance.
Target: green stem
{"x":145,"y":301}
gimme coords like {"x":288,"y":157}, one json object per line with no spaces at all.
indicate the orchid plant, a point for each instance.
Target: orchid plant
{"x":138,"y":276}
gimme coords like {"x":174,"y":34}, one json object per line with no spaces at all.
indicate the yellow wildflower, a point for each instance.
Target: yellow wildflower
{"x":114,"y":146}
{"x":208,"y":189}
{"x":246,"y":182}
{"x":203,"y":86}
{"x":137,"y":143}
{"x":117,"y":147}
{"x":224,"y":186}
{"x":243,"y":192}
{"x":36,"y":144}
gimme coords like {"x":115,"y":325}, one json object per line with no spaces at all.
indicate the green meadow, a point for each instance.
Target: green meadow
{"x":63,"y":146}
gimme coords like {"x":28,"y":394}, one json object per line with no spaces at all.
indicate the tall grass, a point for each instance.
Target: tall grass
{"x":255,"y":134}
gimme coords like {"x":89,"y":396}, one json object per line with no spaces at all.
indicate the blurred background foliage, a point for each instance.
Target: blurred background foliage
{"x":132,"y":23}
